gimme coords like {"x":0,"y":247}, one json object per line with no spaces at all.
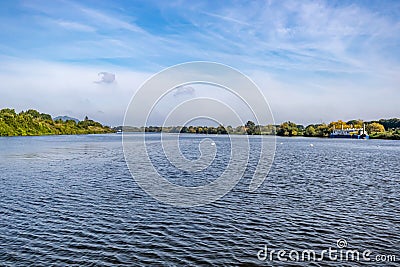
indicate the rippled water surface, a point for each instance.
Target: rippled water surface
{"x":70,"y":200}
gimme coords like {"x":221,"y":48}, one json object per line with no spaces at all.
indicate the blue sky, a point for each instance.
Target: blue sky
{"x":314,"y":60}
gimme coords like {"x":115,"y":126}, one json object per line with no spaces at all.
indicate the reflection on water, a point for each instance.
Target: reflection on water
{"x":71,"y":200}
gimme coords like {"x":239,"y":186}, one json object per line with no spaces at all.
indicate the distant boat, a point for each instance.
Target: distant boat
{"x":119,"y":132}
{"x":354,"y":133}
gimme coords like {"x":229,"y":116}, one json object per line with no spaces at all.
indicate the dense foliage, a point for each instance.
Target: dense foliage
{"x":289,"y":129}
{"x":374,"y":128}
{"x":249,"y":128}
{"x":392,"y":124}
{"x":389,"y":134}
{"x":31,"y":122}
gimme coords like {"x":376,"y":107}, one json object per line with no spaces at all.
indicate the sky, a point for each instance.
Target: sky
{"x":315,"y":61}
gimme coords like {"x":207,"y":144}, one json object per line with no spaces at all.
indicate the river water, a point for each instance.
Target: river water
{"x":71,"y":200}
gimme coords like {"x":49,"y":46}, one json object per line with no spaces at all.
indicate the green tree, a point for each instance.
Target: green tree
{"x":211,"y":130}
{"x":184,"y":129}
{"x":252,"y":128}
{"x":356,"y":123}
{"x":34,"y":113}
{"x":7,"y":111}
{"x":240,"y":130}
{"x":375,"y":128}
{"x":191,"y":129}
{"x":288,"y":129}
{"x":338,"y":125}
{"x":45,"y":116}
{"x":393,"y":123}
{"x":310,"y":131}
{"x":323,"y":130}
{"x":221,"y":130}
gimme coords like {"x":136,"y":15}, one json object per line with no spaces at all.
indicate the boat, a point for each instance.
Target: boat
{"x":354,"y":133}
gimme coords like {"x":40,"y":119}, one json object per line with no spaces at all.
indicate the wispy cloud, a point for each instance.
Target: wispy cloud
{"x":307,"y":36}
{"x":309,"y":48}
{"x":227,"y":18}
{"x":70,"y":25}
{"x":105,"y":20}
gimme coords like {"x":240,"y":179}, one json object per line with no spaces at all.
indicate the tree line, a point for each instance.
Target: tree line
{"x":32,"y":122}
{"x":383,"y":128}
{"x":249,"y":128}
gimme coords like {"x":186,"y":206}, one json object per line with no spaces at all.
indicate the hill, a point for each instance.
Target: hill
{"x":65,"y":118}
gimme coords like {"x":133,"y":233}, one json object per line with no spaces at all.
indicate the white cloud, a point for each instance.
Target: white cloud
{"x":63,"y":89}
{"x":184,"y":90}
{"x":70,"y":25}
{"x":106,"y":77}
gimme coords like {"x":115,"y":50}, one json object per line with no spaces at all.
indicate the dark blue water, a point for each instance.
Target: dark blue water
{"x":70,"y":200}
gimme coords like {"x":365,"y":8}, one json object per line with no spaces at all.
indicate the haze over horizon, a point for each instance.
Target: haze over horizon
{"x":315,"y":61}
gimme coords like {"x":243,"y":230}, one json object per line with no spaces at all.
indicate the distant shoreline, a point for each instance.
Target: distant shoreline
{"x":34,"y":123}
{"x":381,"y":129}
{"x":114,"y":133}
{"x":294,"y":136}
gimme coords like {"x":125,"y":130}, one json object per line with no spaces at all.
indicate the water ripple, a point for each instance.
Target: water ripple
{"x":70,"y":200}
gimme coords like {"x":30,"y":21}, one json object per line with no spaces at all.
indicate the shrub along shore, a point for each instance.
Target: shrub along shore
{"x":31,"y":122}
